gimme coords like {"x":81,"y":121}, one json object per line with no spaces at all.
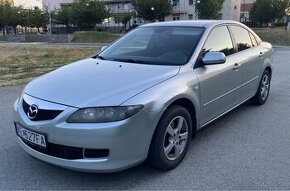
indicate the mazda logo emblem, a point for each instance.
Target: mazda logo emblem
{"x":32,"y":112}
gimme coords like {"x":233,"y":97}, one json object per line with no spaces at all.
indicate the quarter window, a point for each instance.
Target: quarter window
{"x":219,"y":40}
{"x":242,"y":38}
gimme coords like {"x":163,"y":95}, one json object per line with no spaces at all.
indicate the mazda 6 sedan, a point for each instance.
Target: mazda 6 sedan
{"x":144,"y":97}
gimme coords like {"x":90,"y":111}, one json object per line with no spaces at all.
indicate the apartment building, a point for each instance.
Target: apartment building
{"x":246,"y":6}
{"x":185,"y":10}
{"x":115,"y":6}
{"x":51,"y":4}
{"x":182,"y":9}
{"x":231,"y":10}
{"x":119,"y":6}
{"x":7,"y":1}
{"x":28,"y":4}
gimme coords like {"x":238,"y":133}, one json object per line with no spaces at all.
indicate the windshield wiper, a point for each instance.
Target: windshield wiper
{"x":99,"y":57}
{"x":131,"y":60}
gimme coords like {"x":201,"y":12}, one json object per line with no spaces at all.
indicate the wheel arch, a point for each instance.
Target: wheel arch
{"x":189,"y":106}
{"x":269,"y":69}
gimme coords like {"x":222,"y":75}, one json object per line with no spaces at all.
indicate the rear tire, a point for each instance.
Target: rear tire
{"x":171,"y":139}
{"x":262,"y":94}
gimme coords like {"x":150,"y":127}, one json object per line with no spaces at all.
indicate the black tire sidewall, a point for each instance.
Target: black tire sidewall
{"x":259,"y":95}
{"x":156,"y":152}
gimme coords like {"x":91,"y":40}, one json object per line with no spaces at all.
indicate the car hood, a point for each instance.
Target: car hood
{"x":92,"y":82}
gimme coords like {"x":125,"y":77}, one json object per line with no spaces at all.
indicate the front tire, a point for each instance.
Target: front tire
{"x":262,"y":94}
{"x":171,"y":139}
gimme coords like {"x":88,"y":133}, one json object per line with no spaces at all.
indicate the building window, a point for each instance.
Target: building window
{"x":190,"y":2}
{"x":190,"y":16}
{"x":175,"y":3}
{"x":176,"y":18}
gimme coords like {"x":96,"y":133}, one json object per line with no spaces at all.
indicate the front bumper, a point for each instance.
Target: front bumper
{"x":128,"y":141}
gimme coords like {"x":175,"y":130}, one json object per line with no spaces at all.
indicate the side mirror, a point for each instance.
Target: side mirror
{"x":103,"y":48}
{"x":212,"y":58}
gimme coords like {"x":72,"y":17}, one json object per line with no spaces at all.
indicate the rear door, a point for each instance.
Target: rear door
{"x":250,"y":58}
{"x":219,"y":84}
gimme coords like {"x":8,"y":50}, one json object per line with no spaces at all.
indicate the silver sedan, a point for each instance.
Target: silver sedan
{"x":143,"y":97}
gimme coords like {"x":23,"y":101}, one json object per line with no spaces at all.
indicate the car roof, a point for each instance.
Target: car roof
{"x":192,"y":23}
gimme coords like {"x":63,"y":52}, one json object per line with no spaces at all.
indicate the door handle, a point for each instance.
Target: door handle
{"x":261,"y":54}
{"x":236,"y":67}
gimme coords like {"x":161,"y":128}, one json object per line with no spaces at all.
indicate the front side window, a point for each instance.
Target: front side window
{"x":219,"y":40}
{"x":242,"y":38}
{"x":155,"y":45}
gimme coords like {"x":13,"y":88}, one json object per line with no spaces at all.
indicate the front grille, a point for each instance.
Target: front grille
{"x":59,"y":151}
{"x":42,"y":113}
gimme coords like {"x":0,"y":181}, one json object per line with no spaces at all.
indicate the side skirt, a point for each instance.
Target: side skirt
{"x":225,"y":112}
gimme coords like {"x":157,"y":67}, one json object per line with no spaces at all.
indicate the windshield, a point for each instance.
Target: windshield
{"x":155,"y":45}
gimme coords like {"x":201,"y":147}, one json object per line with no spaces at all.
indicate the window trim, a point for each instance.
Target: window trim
{"x":252,"y":37}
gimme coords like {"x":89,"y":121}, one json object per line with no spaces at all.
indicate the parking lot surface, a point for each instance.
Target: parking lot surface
{"x":249,"y":148}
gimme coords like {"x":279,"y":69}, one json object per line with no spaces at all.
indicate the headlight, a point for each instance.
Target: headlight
{"x":103,"y":114}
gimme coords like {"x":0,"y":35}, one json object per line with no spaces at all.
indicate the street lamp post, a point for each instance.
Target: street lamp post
{"x":50,"y":23}
{"x":196,"y":3}
{"x":21,"y":22}
{"x":152,"y":9}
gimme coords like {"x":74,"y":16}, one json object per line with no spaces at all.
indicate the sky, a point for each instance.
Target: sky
{"x":28,"y":3}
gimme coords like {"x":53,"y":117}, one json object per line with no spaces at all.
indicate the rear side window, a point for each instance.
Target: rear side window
{"x":242,"y":38}
{"x":219,"y":40}
{"x":254,"y":41}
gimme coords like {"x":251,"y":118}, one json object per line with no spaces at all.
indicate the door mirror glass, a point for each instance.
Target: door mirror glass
{"x":212,"y":58}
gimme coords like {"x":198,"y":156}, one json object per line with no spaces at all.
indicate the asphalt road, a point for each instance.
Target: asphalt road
{"x":249,"y":148}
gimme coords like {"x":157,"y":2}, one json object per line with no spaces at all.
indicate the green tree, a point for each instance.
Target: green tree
{"x":124,"y":18}
{"x":37,"y":18}
{"x":14,"y":18}
{"x":64,"y":17}
{"x":209,"y":9}
{"x":266,"y":11}
{"x":5,"y":11}
{"x":152,"y":10}
{"x":87,"y":13}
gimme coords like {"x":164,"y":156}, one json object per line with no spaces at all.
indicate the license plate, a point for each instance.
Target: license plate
{"x":31,"y":136}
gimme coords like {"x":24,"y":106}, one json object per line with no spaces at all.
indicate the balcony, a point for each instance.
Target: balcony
{"x":178,"y":10}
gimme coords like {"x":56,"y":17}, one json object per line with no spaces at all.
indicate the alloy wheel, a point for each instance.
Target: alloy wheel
{"x":176,"y":137}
